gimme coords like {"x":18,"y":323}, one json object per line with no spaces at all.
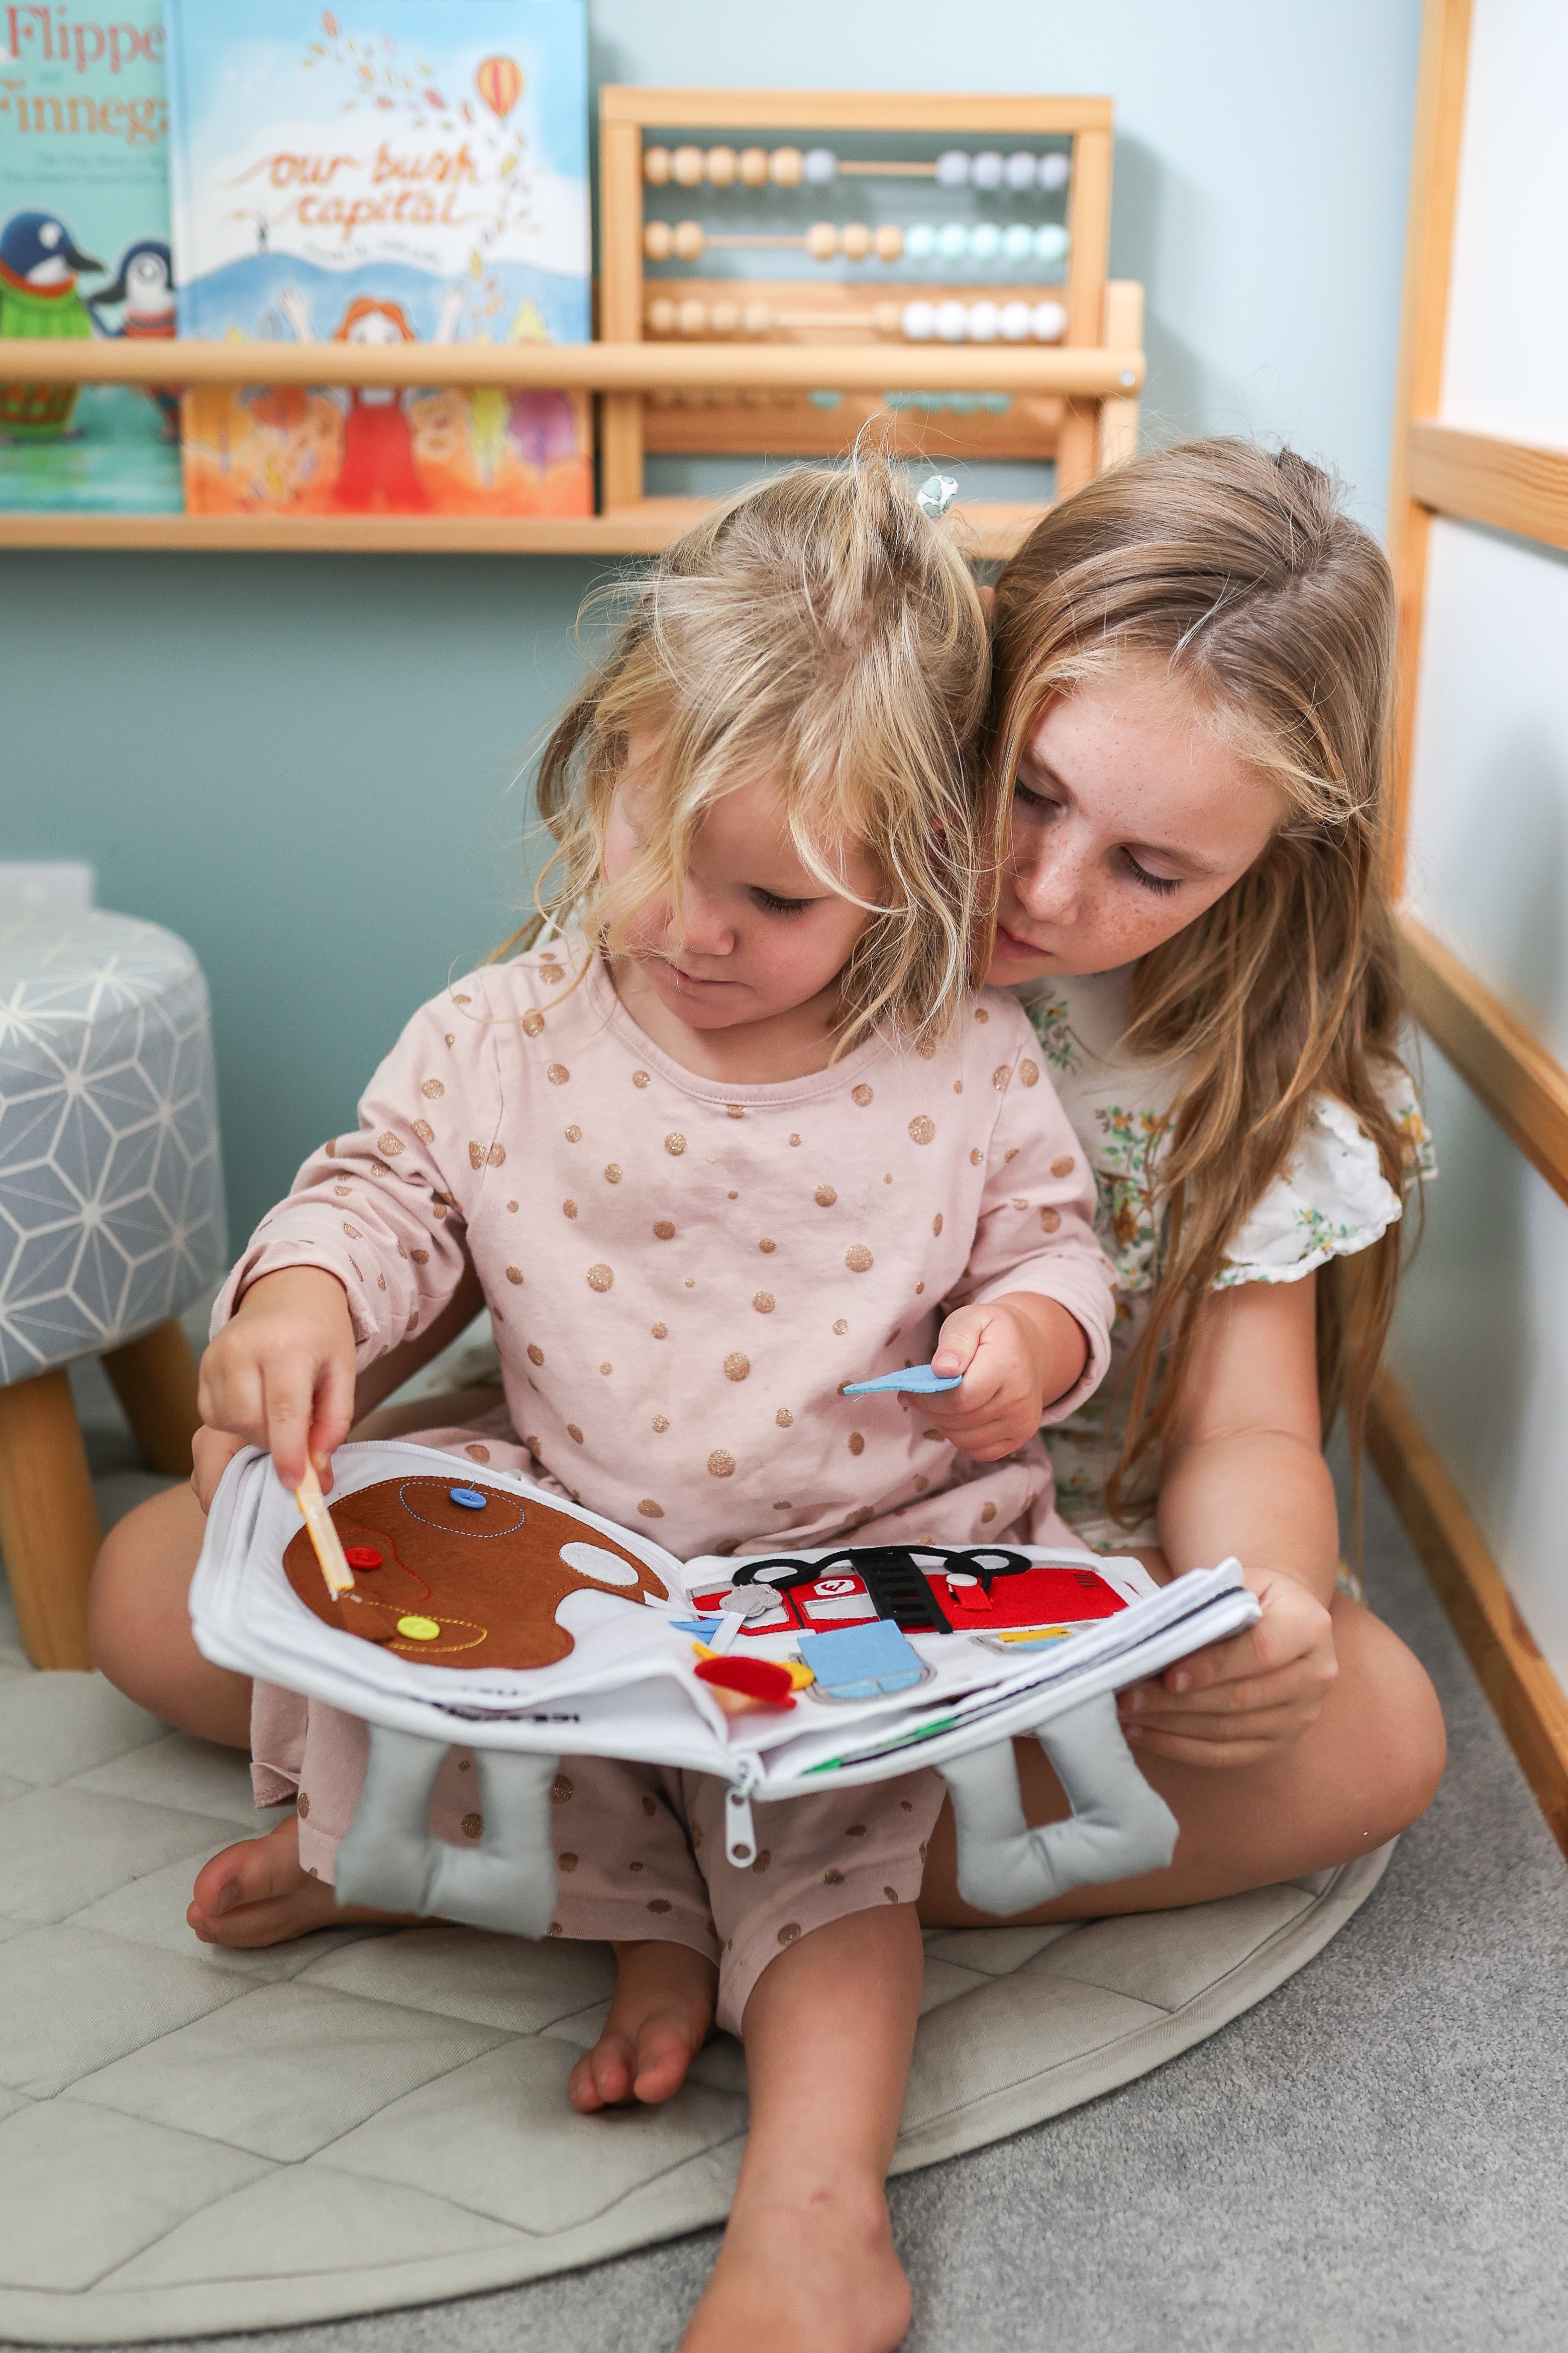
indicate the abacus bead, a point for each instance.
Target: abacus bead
{"x":953,"y":241}
{"x":1050,"y":242}
{"x":920,"y":240}
{"x":721,"y":167}
{"x":856,"y":240}
{"x":1021,"y":169}
{"x":963,"y":404}
{"x":753,"y":166}
{"x":662,"y":316}
{"x":689,"y":241}
{"x":996,"y":403}
{"x":1015,"y":322}
{"x":1047,"y":321}
{"x":985,"y":320}
{"x":655,"y":166}
{"x":819,"y":165}
{"x":952,"y":169}
{"x":659,"y":241}
{"x":887,"y":319}
{"x":919,"y":321}
{"x":888,"y":241}
{"x":822,"y":240}
{"x":952,"y":322}
{"x":1019,"y":241}
{"x":758,"y":318}
{"x":785,"y":167}
{"x":1054,"y":170}
{"x":726,"y":318}
{"x":693,"y":318}
{"x":985,"y":241}
{"x":987,"y":170}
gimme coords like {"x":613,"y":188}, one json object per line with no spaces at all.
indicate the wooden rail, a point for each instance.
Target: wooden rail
{"x":1477,"y":478}
{"x":1503,"y":1063}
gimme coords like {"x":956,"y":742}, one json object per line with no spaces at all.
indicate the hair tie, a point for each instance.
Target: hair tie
{"x":936,"y":495}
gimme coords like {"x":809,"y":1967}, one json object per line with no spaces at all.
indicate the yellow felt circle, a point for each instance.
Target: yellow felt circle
{"x":418,"y":1629}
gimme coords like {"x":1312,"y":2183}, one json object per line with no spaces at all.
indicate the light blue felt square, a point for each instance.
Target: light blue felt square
{"x":862,"y":1661}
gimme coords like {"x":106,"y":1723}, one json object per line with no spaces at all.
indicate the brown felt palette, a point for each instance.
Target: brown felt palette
{"x":466,"y":1575}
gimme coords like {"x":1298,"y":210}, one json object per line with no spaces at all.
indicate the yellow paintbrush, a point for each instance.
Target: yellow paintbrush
{"x":339,"y":1575}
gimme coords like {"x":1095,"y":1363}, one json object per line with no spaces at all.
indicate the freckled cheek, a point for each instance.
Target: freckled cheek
{"x":648,"y":927}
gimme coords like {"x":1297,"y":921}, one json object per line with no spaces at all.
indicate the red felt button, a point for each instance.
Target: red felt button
{"x":762,"y":1679}
{"x":362,"y":1556}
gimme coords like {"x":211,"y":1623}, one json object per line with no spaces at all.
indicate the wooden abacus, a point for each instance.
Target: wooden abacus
{"x":916,"y":324}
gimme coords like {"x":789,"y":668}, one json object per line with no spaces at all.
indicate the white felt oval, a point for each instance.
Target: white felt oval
{"x":592,"y":1560}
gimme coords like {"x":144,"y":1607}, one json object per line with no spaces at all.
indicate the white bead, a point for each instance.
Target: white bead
{"x":985,"y":241}
{"x":819,"y":164}
{"x":952,"y":322}
{"x":920,"y":241}
{"x":1055,"y":171}
{"x":1018,"y":242}
{"x":953,"y":240}
{"x":987,"y":170}
{"x":1050,"y":242}
{"x":1015,"y":322}
{"x":919,"y":321}
{"x":952,"y":169}
{"x":1020,"y":170}
{"x":985,"y":320}
{"x":1047,"y":321}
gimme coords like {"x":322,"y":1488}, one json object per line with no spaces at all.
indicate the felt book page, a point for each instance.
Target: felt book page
{"x":383,"y":172}
{"x":84,"y":252}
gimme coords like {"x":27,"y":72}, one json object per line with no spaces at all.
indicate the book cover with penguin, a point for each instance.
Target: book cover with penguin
{"x":84,"y":252}
{"x":382,"y":171}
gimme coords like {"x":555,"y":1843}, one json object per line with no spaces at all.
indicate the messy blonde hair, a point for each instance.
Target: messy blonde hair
{"x":1240,"y":571}
{"x":819,"y":629}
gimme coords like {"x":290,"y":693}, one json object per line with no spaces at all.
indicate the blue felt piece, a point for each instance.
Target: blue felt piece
{"x":703,"y":1629}
{"x":469,"y":1498}
{"x":918,"y":1381}
{"x":862,"y":1661}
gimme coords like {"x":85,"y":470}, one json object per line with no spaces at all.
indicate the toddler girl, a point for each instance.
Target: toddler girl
{"x":741,"y":1134}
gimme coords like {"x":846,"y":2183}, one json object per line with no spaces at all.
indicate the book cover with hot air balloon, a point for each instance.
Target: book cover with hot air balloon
{"x":382,"y":171}
{"x":84,"y":252}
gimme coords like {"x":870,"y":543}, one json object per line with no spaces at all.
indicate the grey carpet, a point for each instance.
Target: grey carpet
{"x":1371,"y":2158}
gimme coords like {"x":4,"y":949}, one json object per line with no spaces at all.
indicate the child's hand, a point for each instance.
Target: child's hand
{"x":1245,"y":1701}
{"x":212,"y":1452}
{"x":1016,"y":1355}
{"x":281,"y":1373}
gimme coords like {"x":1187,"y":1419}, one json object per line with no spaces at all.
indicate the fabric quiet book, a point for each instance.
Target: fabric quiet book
{"x":387,"y":172}
{"x":84,"y":251}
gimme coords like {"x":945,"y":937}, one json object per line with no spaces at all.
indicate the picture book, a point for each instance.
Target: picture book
{"x":84,"y":251}
{"x":381,"y":171}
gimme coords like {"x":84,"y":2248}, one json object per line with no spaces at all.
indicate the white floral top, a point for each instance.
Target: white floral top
{"x":1331,"y":1200}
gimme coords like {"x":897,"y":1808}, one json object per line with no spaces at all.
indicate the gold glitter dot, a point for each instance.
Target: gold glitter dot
{"x":785,"y":1506}
{"x":1049,"y":1220}
{"x":663,"y":1230}
{"x":607,"y":1368}
{"x":388,"y":1144}
{"x":1063,"y":1165}
{"x":575,"y":1433}
{"x":512,"y":1207}
{"x":535,"y":1353}
{"x":763,"y":1301}
{"x":736,"y":1365}
{"x":926,"y":1048}
{"x":433,"y":1088}
{"x":560,"y":1791}
{"x":975,"y":1157}
{"x":987,"y":1512}
{"x":1028,"y":1072}
{"x":841,"y":1327}
{"x":613,"y":1173}
{"x":889,"y":1177}
{"x":794,"y":1139}
{"x":449,"y":1037}
{"x":932,"y":1433}
{"x":789,"y":1932}
{"x":574,"y":1135}
{"x":567,"y":1861}
{"x":857,"y":1443}
{"x":920,"y":1485}
{"x":473,"y":1826}
{"x":824,"y":1197}
{"x":918,"y":1288}
{"x":661,"y":1331}
{"x":639,"y":1078}
{"x":650,"y":1510}
{"x":733,"y":1110}
{"x":1010,"y":1154}
{"x":532,"y":1022}
{"x":424,"y":1131}
{"x":551,"y":972}
{"x":999,"y":1078}
{"x":785,"y":1418}
{"x":981,"y":1013}
{"x":858,"y":1258}
{"x":936,"y":1223}
{"x":1020,"y":1202}
{"x":568,"y":1208}
{"x":600,"y":1278}
{"x":558,"y":1074}
{"x":514,"y":1274}
{"x":732,"y":1197}
{"x":861,"y":1095}
{"x":720,"y":1464}
{"x":661,"y":1421}
{"x":675,"y":1146}
{"x":302,"y":1806}
{"x":496,"y":1156}
{"x":692,"y":1282}
{"x":476,"y":1454}
{"x":922,"y":1129}
{"x":462,"y":1000}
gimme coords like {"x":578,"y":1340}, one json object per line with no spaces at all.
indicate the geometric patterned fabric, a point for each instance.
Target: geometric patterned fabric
{"x":111,"y":1214}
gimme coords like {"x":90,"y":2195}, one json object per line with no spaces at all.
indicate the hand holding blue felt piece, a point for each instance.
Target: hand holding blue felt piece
{"x":918,"y":1381}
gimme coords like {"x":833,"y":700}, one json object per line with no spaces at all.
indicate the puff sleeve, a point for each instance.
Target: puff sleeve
{"x":1332,"y":1198}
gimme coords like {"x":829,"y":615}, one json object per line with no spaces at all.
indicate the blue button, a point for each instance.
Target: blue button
{"x":469,"y":1497}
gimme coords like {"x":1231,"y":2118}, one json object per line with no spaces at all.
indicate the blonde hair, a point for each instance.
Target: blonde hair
{"x":1241,"y":573}
{"x":817,"y":629}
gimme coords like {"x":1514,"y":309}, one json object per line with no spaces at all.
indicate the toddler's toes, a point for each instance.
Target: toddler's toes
{"x":665,"y":2049}
{"x":603,"y":2076}
{"x":257,"y":1893}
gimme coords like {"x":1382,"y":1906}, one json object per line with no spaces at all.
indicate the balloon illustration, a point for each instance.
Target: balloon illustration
{"x":499,"y":83}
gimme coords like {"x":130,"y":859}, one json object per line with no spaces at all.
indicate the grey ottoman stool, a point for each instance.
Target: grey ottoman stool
{"x":111,"y":1223}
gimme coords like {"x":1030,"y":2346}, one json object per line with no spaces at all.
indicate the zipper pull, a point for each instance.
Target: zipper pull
{"x":739,"y":1834}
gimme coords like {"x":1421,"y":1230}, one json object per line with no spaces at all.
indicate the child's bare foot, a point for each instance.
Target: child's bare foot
{"x":257,"y":1893}
{"x":657,"y":2023}
{"x":816,"y":2274}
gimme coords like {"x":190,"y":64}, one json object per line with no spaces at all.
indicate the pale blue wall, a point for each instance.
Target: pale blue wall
{"x":303,"y":765}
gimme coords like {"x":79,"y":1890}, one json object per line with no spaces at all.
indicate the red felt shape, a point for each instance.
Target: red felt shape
{"x":759,"y":1679}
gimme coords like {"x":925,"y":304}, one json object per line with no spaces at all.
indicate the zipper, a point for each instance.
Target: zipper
{"x":739,"y":1834}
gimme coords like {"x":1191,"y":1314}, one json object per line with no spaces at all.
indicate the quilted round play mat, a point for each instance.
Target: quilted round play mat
{"x":193,"y":2140}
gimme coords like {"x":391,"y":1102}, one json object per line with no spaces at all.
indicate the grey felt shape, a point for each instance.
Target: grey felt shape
{"x":1118,"y":1827}
{"x":389,"y":1861}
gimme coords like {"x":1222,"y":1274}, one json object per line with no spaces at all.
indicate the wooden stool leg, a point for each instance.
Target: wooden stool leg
{"x":155,"y":1380}
{"x":48,"y":1519}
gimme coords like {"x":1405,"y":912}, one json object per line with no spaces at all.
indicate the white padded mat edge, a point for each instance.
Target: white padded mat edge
{"x":193,"y":2141}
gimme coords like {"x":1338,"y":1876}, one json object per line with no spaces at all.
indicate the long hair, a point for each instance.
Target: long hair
{"x":1240,"y":571}
{"x":818,"y":630}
